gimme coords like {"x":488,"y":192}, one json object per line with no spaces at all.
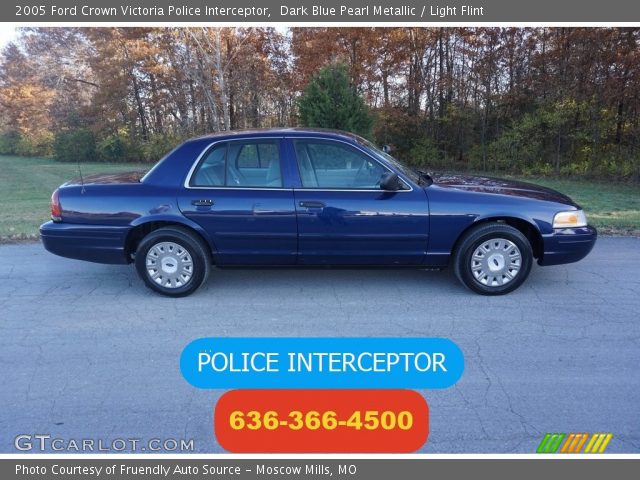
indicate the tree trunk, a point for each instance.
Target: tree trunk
{"x":224,"y":94}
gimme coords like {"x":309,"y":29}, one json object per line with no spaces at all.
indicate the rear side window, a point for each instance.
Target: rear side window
{"x":240,"y":164}
{"x":210,"y":172}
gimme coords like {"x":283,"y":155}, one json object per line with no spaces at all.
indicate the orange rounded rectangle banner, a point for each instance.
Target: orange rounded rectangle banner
{"x":321,"y":421}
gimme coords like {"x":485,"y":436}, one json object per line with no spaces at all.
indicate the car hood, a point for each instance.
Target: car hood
{"x":107,"y":178}
{"x":500,"y":186}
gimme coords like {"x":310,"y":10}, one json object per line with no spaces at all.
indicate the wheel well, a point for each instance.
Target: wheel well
{"x":528,"y":230}
{"x":138,"y":232}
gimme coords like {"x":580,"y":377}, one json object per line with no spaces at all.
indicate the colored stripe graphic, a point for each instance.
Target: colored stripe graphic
{"x":550,"y":443}
{"x":598,"y":443}
{"x":583,"y":439}
{"x":568,"y":444}
{"x":544,"y":441}
{"x":573,"y":442}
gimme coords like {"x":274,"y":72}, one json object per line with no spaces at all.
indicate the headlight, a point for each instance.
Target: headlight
{"x":571,"y":219}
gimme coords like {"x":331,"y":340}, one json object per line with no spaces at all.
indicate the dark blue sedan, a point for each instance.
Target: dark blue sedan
{"x":305,"y":198}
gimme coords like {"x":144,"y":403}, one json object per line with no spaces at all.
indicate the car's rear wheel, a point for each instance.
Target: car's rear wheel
{"x":173,"y":261}
{"x":493,"y":259}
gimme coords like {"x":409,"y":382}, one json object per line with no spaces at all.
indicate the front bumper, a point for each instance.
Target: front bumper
{"x":93,"y":243}
{"x":567,"y":245}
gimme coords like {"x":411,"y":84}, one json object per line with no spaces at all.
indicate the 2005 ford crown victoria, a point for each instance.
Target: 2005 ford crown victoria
{"x":301,"y":197}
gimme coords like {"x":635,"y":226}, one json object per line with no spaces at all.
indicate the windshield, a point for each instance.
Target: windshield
{"x":403,"y":168}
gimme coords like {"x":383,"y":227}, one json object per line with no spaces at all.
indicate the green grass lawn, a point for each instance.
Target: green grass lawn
{"x":611,"y":207}
{"x":26,"y":185}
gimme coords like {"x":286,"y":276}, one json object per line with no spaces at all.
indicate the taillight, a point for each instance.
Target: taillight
{"x":56,"y":209}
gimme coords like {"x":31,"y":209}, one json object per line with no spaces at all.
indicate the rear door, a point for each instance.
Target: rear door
{"x":236,"y":193}
{"x":344,"y":218}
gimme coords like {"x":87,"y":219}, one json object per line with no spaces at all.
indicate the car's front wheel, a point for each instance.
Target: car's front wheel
{"x":173,"y":261}
{"x":493,"y":259}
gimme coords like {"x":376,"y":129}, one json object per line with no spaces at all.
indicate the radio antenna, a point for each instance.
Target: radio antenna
{"x":81,"y":178}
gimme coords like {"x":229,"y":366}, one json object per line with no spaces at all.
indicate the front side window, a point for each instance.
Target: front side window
{"x":251,"y":163}
{"x":327,"y":164}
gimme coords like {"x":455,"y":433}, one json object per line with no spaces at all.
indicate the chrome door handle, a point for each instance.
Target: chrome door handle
{"x":202,"y":203}
{"x":312,"y":204}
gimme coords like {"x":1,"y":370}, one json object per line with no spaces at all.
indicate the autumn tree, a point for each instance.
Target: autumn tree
{"x":25,"y":102}
{"x":535,"y":100}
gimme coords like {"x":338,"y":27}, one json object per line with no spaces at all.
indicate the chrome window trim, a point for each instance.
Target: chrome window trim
{"x":268,"y":189}
{"x":357,"y":147}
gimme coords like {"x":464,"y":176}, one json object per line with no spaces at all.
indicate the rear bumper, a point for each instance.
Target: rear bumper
{"x":100,"y":244}
{"x":567,"y":245}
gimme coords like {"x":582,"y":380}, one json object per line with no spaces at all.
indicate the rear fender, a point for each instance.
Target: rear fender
{"x":164,"y":219}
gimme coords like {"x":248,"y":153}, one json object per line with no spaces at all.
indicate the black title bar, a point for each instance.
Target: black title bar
{"x":305,"y":469}
{"x":320,"y":11}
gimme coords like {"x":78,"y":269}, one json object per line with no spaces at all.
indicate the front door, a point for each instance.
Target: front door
{"x":344,"y":218}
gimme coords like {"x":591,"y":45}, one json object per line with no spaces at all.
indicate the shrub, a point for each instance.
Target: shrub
{"x":158,"y":146}
{"x":75,"y":145}
{"x":33,"y":145}
{"x":424,"y":154}
{"x":37,"y":144}
{"x":118,"y":147}
{"x":9,"y":143}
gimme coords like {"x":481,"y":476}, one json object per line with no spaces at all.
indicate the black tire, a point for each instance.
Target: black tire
{"x":175,"y":284}
{"x":471,"y":270}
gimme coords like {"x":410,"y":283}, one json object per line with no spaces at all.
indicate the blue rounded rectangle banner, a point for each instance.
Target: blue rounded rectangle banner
{"x":321,"y":362}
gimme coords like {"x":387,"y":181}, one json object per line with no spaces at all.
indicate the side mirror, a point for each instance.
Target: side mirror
{"x":390,"y":181}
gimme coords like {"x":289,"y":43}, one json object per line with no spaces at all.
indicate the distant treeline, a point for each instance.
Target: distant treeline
{"x":523,"y":100}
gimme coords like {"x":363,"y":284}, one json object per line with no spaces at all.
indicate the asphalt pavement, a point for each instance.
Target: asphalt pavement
{"x":87,"y":352}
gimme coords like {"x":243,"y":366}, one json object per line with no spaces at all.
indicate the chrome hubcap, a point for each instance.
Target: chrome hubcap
{"x":496,"y":262}
{"x":169,"y":265}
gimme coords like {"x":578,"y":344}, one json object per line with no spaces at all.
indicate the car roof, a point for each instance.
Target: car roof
{"x":277,"y":132}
